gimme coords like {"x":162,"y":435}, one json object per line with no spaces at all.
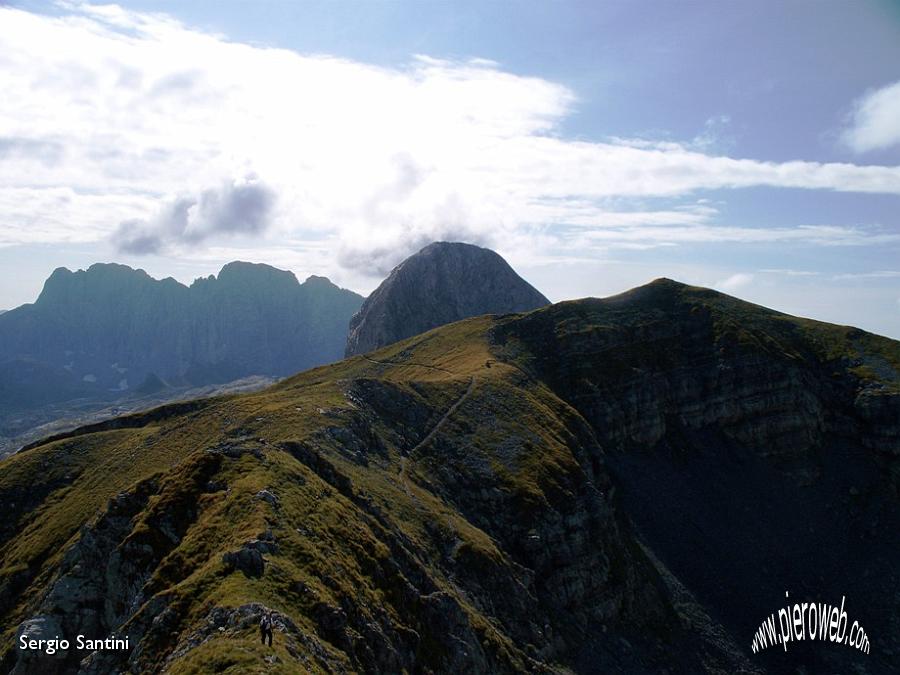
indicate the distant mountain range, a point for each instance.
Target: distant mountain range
{"x":112,"y":331}
{"x":109,"y":328}
{"x":113,"y":338}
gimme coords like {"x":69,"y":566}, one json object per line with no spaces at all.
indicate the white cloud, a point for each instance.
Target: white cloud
{"x":236,"y":208}
{"x":715,"y":135}
{"x":789,"y":272}
{"x":876,"y":120}
{"x":879,"y":274}
{"x":735,"y":282}
{"x":651,"y":235}
{"x":107,"y":115}
{"x":53,"y":214}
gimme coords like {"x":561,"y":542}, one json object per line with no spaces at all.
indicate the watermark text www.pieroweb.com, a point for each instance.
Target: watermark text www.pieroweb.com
{"x":809,"y":621}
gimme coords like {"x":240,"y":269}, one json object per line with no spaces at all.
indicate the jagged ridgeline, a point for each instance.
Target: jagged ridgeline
{"x":110,"y":330}
{"x":619,"y":485}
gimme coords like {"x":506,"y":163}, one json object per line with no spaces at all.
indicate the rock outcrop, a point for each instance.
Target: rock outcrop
{"x":442,"y":283}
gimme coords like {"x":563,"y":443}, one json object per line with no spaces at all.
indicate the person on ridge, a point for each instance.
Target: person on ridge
{"x":265,"y":628}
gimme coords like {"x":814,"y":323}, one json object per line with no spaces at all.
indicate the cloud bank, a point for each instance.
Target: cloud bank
{"x":235,"y":208}
{"x":117,"y":123}
{"x":876,"y":120}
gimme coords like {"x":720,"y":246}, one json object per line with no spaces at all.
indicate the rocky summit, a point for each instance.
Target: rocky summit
{"x":442,"y":283}
{"x":626,"y":485}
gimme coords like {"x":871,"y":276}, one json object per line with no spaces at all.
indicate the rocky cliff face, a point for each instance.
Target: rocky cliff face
{"x":620,"y":485}
{"x":109,"y":328}
{"x":742,"y":441}
{"x":442,"y":283}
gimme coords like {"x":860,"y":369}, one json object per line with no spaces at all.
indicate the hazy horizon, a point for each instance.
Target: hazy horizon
{"x":301,"y":278}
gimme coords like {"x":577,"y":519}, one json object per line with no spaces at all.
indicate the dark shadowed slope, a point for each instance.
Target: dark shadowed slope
{"x":442,"y":283}
{"x":757,"y":453}
{"x":621,"y":485}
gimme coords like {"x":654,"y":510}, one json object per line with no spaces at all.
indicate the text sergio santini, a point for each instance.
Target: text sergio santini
{"x":82,"y":643}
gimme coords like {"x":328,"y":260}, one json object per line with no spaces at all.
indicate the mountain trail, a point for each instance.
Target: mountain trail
{"x":431,"y":434}
{"x":408,"y":363}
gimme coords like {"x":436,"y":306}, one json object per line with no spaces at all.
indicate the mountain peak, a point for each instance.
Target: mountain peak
{"x":442,"y":283}
{"x":63,"y":285}
{"x":315,"y":281}
{"x":240,"y":271}
{"x":446,"y":249}
{"x":113,"y":269}
{"x":447,"y":246}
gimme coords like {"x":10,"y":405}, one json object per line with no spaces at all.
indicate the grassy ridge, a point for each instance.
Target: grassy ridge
{"x":327,"y":549}
{"x":413,"y":495}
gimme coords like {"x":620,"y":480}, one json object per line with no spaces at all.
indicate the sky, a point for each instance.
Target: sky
{"x":752,"y":147}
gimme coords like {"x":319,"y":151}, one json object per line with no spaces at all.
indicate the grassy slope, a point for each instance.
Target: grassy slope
{"x":320,"y":532}
{"x":329,"y":548}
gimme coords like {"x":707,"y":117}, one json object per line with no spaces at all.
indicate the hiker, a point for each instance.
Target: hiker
{"x":265,"y":628}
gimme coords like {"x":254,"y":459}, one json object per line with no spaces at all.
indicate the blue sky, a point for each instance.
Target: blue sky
{"x":749,"y":146}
